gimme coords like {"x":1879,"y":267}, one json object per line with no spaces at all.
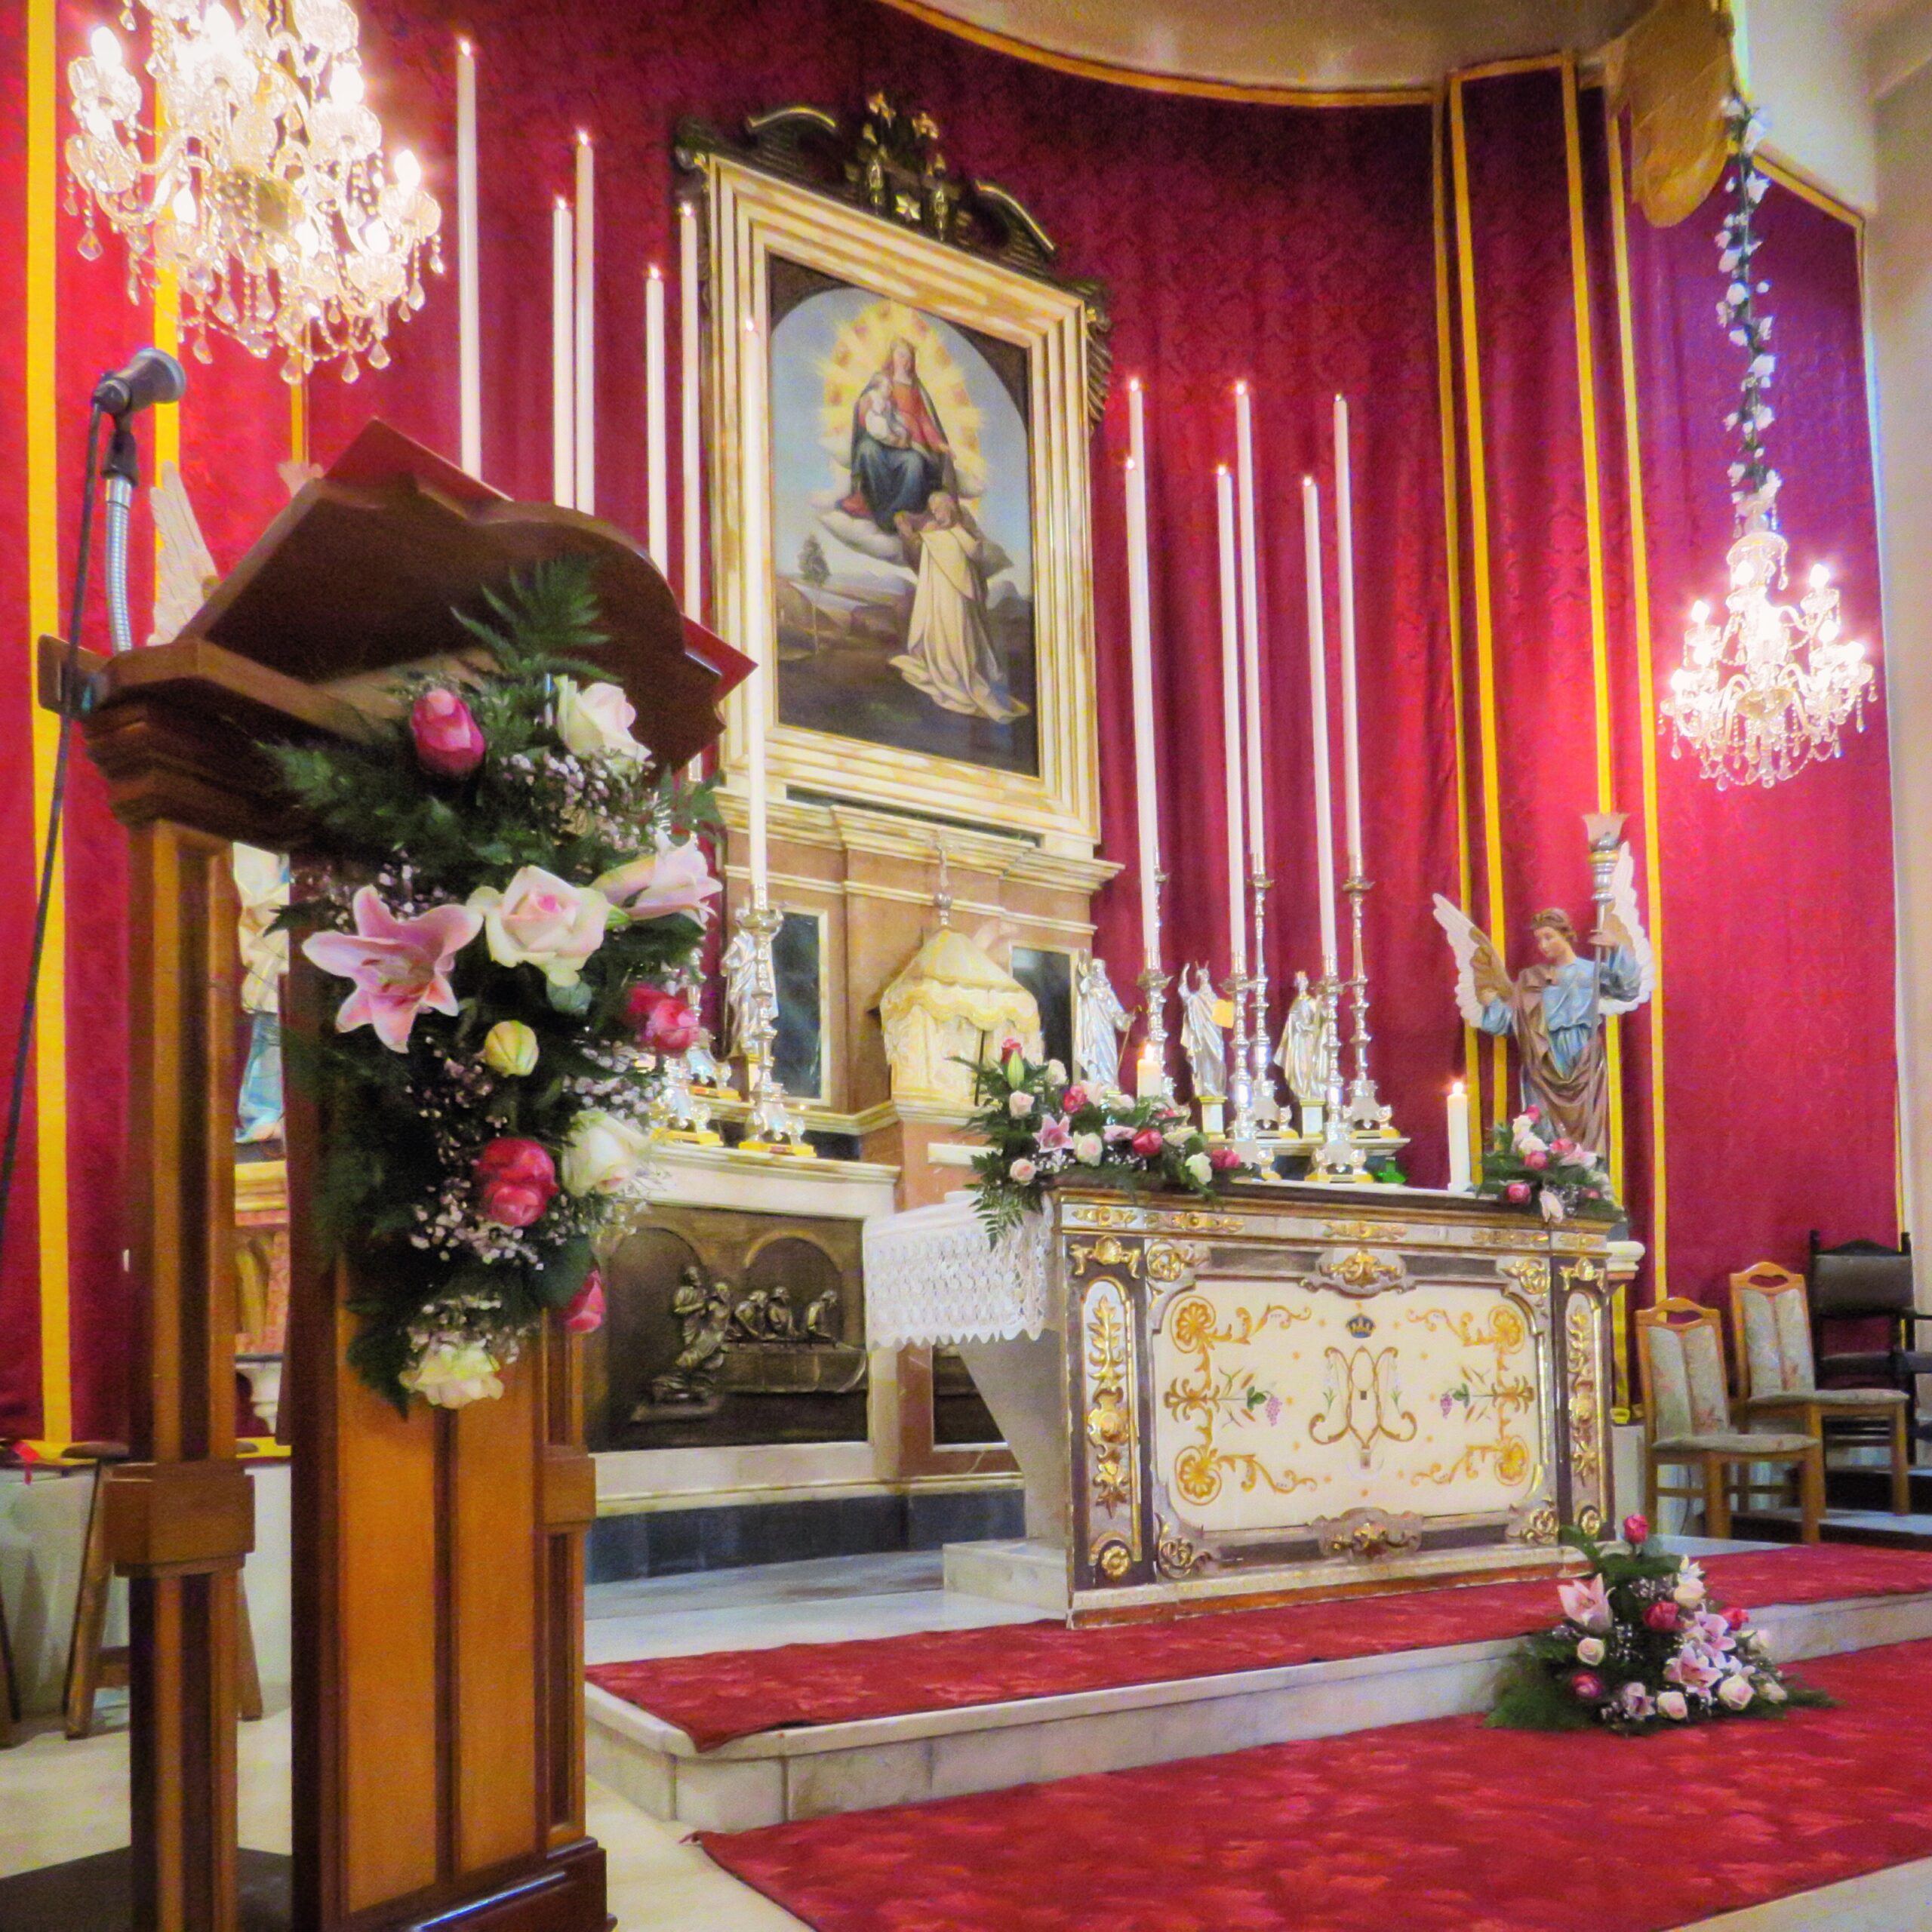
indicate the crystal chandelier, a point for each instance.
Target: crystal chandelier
{"x":1768,"y":692}
{"x":267,"y":197}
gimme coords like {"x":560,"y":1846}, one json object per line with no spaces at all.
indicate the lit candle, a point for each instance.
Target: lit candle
{"x":755,"y":608}
{"x":469,"y":339}
{"x":659,"y":514}
{"x":1250,"y":627}
{"x":1224,"y":506}
{"x":563,"y":341}
{"x":690,"y":468}
{"x":1459,"y":1139}
{"x":1318,"y":694}
{"x":586,"y":325}
{"x":1145,"y":771}
{"x":1345,"y":587}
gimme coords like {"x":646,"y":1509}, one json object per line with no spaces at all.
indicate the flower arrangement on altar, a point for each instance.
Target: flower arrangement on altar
{"x":514,"y":966}
{"x":1642,"y":1645}
{"x":1528,"y":1166}
{"x":1039,"y":1126}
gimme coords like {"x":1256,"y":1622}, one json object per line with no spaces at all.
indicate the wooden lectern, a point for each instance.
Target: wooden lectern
{"x":439,"y":1583}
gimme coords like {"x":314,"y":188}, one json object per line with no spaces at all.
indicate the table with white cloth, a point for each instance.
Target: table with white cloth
{"x":1289,"y":1389}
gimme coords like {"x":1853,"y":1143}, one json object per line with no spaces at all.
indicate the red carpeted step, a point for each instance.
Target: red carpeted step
{"x":1444,"y":1827}
{"x":718,"y":1695}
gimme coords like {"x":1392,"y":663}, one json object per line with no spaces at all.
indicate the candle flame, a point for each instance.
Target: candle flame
{"x":1240,"y":388}
{"x":655,"y":273}
{"x":1456,"y":1090}
{"x":1134,"y":383}
{"x":1220,"y":469}
{"x":463,"y":46}
{"x":582,"y":138}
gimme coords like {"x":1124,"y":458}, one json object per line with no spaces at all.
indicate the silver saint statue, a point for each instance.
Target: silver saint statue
{"x":1101,"y":1022}
{"x":739,"y":968}
{"x":1201,"y":1033}
{"x":1300,"y":1056}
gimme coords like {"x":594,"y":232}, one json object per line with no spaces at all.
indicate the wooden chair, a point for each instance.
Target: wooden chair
{"x":1771,"y":1331}
{"x":1687,"y":1421}
{"x":1865,"y":1280}
{"x":93,"y":1666}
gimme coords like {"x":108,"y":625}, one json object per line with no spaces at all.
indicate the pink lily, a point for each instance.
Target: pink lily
{"x":1055,"y":1134}
{"x":1586,"y":1604}
{"x":399,"y":966}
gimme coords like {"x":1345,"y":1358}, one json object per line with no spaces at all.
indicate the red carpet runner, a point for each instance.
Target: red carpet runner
{"x":719,"y":1695}
{"x":1437,"y":1827}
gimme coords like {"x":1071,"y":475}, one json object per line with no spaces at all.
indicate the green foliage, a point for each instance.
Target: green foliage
{"x":1573,"y":1177}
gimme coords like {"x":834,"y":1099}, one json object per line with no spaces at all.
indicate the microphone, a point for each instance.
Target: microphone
{"x":150,"y":376}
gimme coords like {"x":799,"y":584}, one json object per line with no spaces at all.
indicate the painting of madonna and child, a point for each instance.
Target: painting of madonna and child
{"x":902,"y":523}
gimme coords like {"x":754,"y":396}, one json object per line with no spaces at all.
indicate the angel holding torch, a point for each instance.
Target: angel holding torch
{"x":1555,"y":1007}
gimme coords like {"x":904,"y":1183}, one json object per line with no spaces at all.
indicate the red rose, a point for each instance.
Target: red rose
{"x":1073,"y":1099}
{"x":448,"y":739}
{"x":515,"y":1180}
{"x":1009,"y":1047}
{"x":1636,"y":1530}
{"x":584,"y":1314}
{"x":1147,"y":1143}
{"x":1737,"y":1618}
{"x":1588,"y":1687}
{"x":1662,"y":1615}
{"x":664,"y":1023}
{"x":1518,"y":1191}
{"x":1221,"y":1159}
{"x":1532,"y":1113}
{"x":1563,"y":1144}
{"x":1535,"y":1159}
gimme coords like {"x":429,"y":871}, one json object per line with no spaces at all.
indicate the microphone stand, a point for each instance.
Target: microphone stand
{"x":123,"y":472}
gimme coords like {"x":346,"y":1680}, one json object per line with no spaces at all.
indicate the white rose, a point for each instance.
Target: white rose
{"x":1057,"y":1072}
{"x":596,"y":718}
{"x":1689,"y":1591}
{"x":1177,"y":1137}
{"x":1772,"y":1691}
{"x":452,"y":1372}
{"x":541,"y":919}
{"x":1199,"y":1169}
{"x":1020,"y":1104}
{"x":603,"y":1155}
{"x":1590,"y":1651}
{"x":1734,"y":1693}
{"x":1022,"y":1171}
{"x":1086,"y":1148}
{"x":1672,"y":1704}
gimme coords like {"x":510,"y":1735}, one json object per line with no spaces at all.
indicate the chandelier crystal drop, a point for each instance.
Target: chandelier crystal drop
{"x":253,"y":176}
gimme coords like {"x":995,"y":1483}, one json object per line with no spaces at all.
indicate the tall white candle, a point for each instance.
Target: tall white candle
{"x":469,"y":337}
{"x":1318,"y":694}
{"x":658,"y":520}
{"x":586,"y":324}
{"x":1250,"y":628}
{"x":691,"y":468}
{"x":1345,"y":587}
{"x":1458,"y":1125}
{"x":756,"y":643}
{"x":1231,"y":756}
{"x":563,"y":352}
{"x":1146,"y":771}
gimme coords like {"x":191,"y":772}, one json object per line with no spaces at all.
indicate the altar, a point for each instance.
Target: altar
{"x":1294,"y":1390}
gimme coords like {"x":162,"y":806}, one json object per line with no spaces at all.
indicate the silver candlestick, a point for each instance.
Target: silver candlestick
{"x":1242,"y":1131}
{"x":1338,"y":1158}
{"x":770,"y":1128}
{"x":1365,"y":1110}
{"x":1266,"y":1109}
{"x":1152,"y":1079}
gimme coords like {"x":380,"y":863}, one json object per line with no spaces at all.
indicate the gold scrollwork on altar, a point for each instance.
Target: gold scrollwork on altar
{"x":1175,"y":1554}
{"x":1112,"y":1558}
{"x":1503,"y":1393}
{"x":1214,"y":1398}
{"x":1536,"y":1525}
{"x":1366,"y":1534}
{"x":1090,"y":1214}
{"x":1361,"y":1271}
{"x":1363,"y":1231}
{"x":1195,"y":1222}
{"x":1110,"y":1426}
{"x":1170,"y":1262}
{"x":1582,"y":1345}
{"x":1362,"y":1402}
{"x":1108,"y":1252}
{"x":1531,"y":1272}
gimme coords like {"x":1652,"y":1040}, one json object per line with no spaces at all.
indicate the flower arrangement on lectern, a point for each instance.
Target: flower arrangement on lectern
{"x":1527,"y":1166}
{"x":1642,"y":1645}
{"x":1039,"y":1127}
{"x":515,"y":967}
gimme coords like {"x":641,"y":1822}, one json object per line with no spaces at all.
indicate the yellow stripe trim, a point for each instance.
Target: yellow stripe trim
{"x":1195,"y":85}
{"x":1646,"y":734}
{"x":1485,"y":611}
{"x":1586,"y":398}
{"x":1802,"y":185}
{"x":43,"y":488}
{"x":1445,"y":352}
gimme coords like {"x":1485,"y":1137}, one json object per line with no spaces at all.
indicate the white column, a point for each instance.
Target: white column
{"x":691,"y":464}
{"x":756,"y":644}
{"x":1251,"y":625}
{"x":1345,"y":586}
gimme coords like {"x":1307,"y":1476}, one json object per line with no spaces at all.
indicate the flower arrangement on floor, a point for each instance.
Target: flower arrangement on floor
{"x":1039,"y":1126}
{"x":1642,"y":1645}
{"x":1526,"y":1166}
{"x":515,"y":966}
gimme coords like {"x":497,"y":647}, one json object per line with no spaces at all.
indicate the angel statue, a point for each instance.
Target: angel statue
{"x":1101,"y":1023}
{"x":1201,"y":1034}
{"x":1555,"y":1007}
{"x":1300,"y":1056}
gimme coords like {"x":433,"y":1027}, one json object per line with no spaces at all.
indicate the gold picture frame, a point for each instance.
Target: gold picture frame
{"x":759,"y":228}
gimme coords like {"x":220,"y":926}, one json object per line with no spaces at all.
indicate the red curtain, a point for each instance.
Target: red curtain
{"x":1295,"y":247}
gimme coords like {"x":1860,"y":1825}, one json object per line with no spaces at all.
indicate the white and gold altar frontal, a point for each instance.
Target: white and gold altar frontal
{"x":1297,"y":1389}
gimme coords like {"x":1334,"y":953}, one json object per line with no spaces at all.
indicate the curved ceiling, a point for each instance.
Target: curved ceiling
{"x":1299,"y":44}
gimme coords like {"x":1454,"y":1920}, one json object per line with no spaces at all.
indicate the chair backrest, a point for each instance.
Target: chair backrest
{"x":1860,"y":1277}
{"x":1680,"y":1355}
{"x":1770,"y":1330}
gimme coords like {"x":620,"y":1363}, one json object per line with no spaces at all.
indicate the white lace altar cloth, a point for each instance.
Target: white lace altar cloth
{"x":931,"y":1277}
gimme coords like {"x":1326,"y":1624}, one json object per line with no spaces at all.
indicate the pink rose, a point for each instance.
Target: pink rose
{"x":448,"y":741}
{"x":584,"y":1315}
{"x":515,"y":1179}
{"x":1532,"y":1113}
{"x":1588,"y":1687}
{"x":1661,"y":1616}
{"x":1518,"y":1191}
{"x":1222,"y":1160}
{"x":656,"y":885}
{"x":399,"y":966}
{"x":1535,"y":1159}
{"x":1009,"y":1047}
{"x":663,"y":1020}
{"x":1074,"y":1099}
{"x":541,"y":919}
{"x":1737,"y":1617}
{"x":1636,"y":1530}
{"x":1563,"y":1144}
{"x":1147,"y":1143}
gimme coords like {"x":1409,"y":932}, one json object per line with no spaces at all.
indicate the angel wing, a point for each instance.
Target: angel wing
{"x":1474,"y":955}
{"x":184,"y":571}
{"x":1623,"y":909}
